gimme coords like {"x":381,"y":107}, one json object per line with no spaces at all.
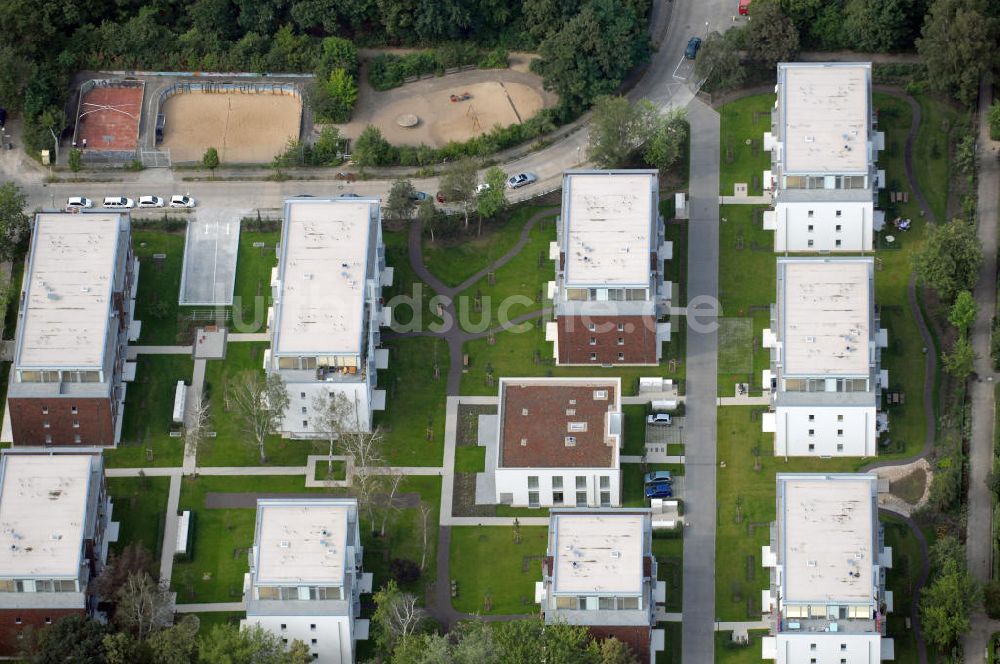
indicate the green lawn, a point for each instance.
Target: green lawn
{"x":513,"y":568}
{"x":231,"y":446}
{"x":525,"y":352}
{"x":739,"y":575}
{"x":149,"y":407}
{"x":518,"y":287}
{"x":253,"y":280}
{"x":635,"y":430}
{"x":726,"y":652}
{"x":470,"y":459}
{"x":322,"y":470}
{"x":669,"y":552}
{"x":206,"y":621}
{"x":742,"y":120}
{"x":140,"y":505}
{"x":931,"y":164}
{"x":222,"y":536}
{"x":671,"y":653}
{"x":407,"y":292}
{"x":454,"y":261}
{"x":746,"y":291}
{"x":13,"y":298}
{"x":906,"y":565}
{"x":159,"y":285}
{"x":415,"y":401}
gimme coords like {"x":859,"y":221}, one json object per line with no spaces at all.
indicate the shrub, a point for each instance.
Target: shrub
{"x":991,"y":599}
{"x":404,"y":571}
{"x":333,"y":99}
{"x":498,"y":58}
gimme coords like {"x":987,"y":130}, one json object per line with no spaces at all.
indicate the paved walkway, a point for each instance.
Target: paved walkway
{"x":697,"y":639}
{"x":745,"y":401}
{"x":746,"y":200}
{"x":169,"y":546}
{"x":192,"y":404}
{"x":210,"y":607}
{"x":979,"y":539}
{"x":135,"y":351}
{"x":249,"y":336}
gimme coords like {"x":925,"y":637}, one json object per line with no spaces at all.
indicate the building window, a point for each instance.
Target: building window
{"x":839,"y":228}
{"x":840,"y":447}
{"x":305,"y":424}
{"x":810,"y":214}
{"x":557,"y":497}
{"x":17,"y":620}
{"x":76,"y":424}
{"x":840,"y":432}
{"x":532,"y":499}
{"x":812,"y":432}
{"x":45,"y":410}
{"x":810,"y":243}
{"x":304,"y":410}
{"x":48,"y":439}
{"x":812,"y":447}
{"x":312,"y":641}
{"x":812,"y":647}
{"x":302,"y":395}
{"x":621,"y":327}
{"x":621,"y":341}
{"x":837,"y":243}
{"x":74,"y":410}
{"x":593,"y":341}
{"x":532,"y":481}
{"x":810,"y":228}
{"x":581,"y":498}
{"x":284,"y":642}
{"x":812,"y":418}
{"x":592,"y":327}
{"x":284,"y":626}
{"x":557,"y":482}
{"x":605,"y":482}
{"x":621,"y":357}
{"x":593,"y":357}
{"x":45,"y":424}
{"x":312,"y":627}
{"x":605,"y":499}
{"x":48,"y":620}
{"x":840,"y":418}
{"x":76,"y":438}
{"x":581,"y":482}
{"x":838,"y":213}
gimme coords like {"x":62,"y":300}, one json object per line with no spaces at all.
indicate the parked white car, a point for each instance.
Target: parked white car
{"x":119,"y":202}
{"x":150,"y":202}
{"x":521,"y":180}
{"x":659,"y":419}
{"x":79,"y":202}
{"x":181,"y":201}
{"x":480,"y":188}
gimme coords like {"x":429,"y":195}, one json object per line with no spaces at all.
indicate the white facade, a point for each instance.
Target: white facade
{"x":327,"y":311}
{"x":305,"y":577}
{"x":825,"y":431}
{"x":601,"y":487}
{"x":822,"y":648}
{"x":823,"y":226}
{"x":825,"y":378}
{"x":824,"y":149}
{"x":330,"y":638}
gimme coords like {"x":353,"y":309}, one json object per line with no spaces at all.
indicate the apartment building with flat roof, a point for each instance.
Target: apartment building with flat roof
{"x":827,"y":600}
{"x":68,"y":380}
{"x":305,"y":578}
{"x":324,"y":325}
{"x":610,"y":298}
{"x":824,"y":147}
{"x":599,"y":571}
{"x":825,"y":377}
{"x":55,"y":527}
{"x":558,"y":443}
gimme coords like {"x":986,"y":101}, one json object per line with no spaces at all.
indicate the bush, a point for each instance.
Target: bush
{"x":404,"y":571}
{"x":388,"y":70}
{"x":991,"y":599}
{"x":498,"y":58}
{"x":333,"y":99}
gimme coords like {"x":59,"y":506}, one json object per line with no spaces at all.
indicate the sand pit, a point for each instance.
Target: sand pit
{"x":500,"y":101}
{"x":244,"y":128}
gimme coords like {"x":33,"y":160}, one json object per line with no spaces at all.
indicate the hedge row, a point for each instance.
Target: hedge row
{"x":388,"y":70}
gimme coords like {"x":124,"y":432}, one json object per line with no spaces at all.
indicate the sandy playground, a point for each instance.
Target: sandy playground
{"x":244,"y":128}
{"x":501,"y":97}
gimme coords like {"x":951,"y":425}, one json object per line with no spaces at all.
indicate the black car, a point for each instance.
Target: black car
{"x":691,"y":52}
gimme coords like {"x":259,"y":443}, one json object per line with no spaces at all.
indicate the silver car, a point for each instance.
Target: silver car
{"x":521,"y":180}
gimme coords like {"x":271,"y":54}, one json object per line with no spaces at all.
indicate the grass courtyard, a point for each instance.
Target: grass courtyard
{"x":252,"y":289}
{"x":514,"y":567}
{"x":159,"y":285}
{"x":139,"y":506}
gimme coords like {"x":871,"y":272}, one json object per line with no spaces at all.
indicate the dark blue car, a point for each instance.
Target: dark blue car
{"x":691,"y":52}
{"x":659,"y":490}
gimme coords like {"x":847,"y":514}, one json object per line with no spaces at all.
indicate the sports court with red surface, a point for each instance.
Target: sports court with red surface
{"x":108,"y":118}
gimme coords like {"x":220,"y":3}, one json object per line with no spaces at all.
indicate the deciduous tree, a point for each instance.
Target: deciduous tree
{"x":772,"y":37}
{"x":666,"y":144}
{"x":459,"y":185}
{"x":259,"y":402}
{"x":619,"y":129}
{"x":396,"y":616}
{"x":210,"y":159}
{"x":15,"y":226}
{"x":719,"y":63}
{"x":958,"y":43}
{"x":493,"y":200}
{"x":401,"y":201}
{"x":945,"y":605}
{"x":949,"y":259}
{"x":963,"y":312}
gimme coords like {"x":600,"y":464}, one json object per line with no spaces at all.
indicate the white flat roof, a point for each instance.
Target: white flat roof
{"x":43,"y":509}
{"x":828,"y":548}
{"x":597,"y":553}
{"x":826,"y":117}
{"x":301,"y":541}
{"x":826,"y":314}
{"x":68,"y":290}
{"x":324,"y":260}
{"x":607,"y":229}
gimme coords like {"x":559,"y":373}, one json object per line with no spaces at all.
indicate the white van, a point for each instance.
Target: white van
{"x":118,"y":202}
